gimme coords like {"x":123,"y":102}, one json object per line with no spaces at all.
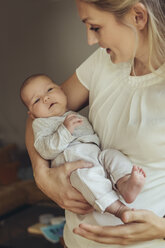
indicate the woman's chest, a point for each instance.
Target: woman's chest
{"x":132,"y":121}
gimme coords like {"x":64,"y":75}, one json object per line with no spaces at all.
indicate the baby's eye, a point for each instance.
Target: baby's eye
{"x":50,"y":89}
{"x":94,"y":29}
{"x":37,"y":100}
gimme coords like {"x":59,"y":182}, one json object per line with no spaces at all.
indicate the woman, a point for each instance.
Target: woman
{"x":124,"y":83}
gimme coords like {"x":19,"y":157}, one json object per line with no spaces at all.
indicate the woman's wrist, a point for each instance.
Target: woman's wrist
{"x":41,"y":176}
{"x":40,"y":169}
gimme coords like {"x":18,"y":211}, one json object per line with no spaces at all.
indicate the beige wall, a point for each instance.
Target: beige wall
{"x":36,"y":36}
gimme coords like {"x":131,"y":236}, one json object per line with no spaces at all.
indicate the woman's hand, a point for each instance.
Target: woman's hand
{"x":55,"y":183}
{"x":140,"y":225}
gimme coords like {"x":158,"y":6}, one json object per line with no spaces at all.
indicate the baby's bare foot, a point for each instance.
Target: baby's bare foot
{"x":130,"y":186}
{"x":117,"y":208}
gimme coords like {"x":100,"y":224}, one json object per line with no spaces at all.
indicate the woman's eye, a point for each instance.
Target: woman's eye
{"x":37,"y":100}
{"x":50,"y":89}
{"x":94,"y":29}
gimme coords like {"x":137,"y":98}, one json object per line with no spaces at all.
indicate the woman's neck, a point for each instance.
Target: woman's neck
{"x":140,"y":69}
{"x":141,"y":62}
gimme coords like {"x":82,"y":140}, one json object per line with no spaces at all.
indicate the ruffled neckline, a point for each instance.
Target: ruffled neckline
{"x":145,"y":80}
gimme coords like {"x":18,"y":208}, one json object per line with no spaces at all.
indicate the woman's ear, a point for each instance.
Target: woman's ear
{"x":140,"y":15}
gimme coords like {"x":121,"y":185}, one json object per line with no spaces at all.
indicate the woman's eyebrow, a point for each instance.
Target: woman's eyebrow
{"x":89,"y":21}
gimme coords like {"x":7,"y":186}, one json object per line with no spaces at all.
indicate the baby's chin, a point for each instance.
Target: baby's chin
{"x":61,"y":112}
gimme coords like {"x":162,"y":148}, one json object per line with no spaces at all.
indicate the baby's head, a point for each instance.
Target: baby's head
{"x":43,"y":97}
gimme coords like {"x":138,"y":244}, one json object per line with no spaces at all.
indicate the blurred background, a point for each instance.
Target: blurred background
{"x":44,"y":36}
{"x":37,"y":36}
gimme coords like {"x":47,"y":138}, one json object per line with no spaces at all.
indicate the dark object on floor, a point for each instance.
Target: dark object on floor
{"x":13,"y":226}
{"x":18,"y":194}
{"x":5,"y":246}
{"x":9,"y":164}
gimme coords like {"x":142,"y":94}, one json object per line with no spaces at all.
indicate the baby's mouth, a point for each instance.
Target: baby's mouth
{"x":52,"y":104}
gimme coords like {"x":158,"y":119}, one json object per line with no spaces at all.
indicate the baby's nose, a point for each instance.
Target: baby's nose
{"x":46,"y":98}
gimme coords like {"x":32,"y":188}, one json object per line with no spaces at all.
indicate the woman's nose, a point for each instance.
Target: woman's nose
{"x":92,"y":37}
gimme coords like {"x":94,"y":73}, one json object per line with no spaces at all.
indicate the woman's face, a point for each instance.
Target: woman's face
{"x":102,"y":28}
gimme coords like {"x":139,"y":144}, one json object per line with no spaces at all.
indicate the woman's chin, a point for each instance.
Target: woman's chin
{"x":116,"y":60}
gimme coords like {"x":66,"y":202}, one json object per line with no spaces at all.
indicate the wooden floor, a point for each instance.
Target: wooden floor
{"x":13,"y":227}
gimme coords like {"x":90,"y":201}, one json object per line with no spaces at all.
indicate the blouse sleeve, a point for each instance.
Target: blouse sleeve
{"x":88,"y":70}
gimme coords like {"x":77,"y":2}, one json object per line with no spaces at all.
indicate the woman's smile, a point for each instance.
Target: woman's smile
{"x":104,"y":29}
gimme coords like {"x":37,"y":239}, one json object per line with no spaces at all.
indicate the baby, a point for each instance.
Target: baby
{"x":65,"y":136}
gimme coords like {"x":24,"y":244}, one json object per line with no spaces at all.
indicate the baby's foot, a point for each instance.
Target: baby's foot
{"x":130,"y":186}
{"x":117,"y":208}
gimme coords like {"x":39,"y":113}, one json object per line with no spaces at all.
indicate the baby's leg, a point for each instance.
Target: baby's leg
{"x":117,"y":208}
{"x":117,"y":165}
{"x":130,"y":186}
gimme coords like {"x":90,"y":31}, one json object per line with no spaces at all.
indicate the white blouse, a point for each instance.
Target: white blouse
{"x":128,"y":114}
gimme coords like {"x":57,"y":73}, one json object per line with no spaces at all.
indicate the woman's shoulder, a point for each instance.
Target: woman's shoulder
{"x":95,"y":62}
{"x":100,"y":56}
{"x":98,"y":67}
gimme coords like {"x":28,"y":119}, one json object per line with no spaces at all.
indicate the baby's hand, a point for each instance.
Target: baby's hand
{"x":72,"y":121}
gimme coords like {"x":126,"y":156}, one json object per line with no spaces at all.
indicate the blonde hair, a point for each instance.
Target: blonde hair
{"x":156,"y":23}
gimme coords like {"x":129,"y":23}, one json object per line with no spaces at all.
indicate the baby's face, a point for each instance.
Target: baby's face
{"x":44,"y":98}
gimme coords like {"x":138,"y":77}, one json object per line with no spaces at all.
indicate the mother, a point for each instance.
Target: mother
{"x":124,"y":81}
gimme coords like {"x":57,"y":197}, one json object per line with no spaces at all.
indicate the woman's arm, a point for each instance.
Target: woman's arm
{"x":77,"y":94}
{"x":50,"y":180}
{"x":140,"y":225}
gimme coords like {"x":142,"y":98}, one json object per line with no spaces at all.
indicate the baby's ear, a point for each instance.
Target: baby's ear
{"x":31,"y":115}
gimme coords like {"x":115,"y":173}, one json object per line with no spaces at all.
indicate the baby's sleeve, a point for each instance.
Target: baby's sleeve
{"x":48,"y":141}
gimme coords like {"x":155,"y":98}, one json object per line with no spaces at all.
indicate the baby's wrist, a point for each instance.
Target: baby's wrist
{"x":69,"y":129}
